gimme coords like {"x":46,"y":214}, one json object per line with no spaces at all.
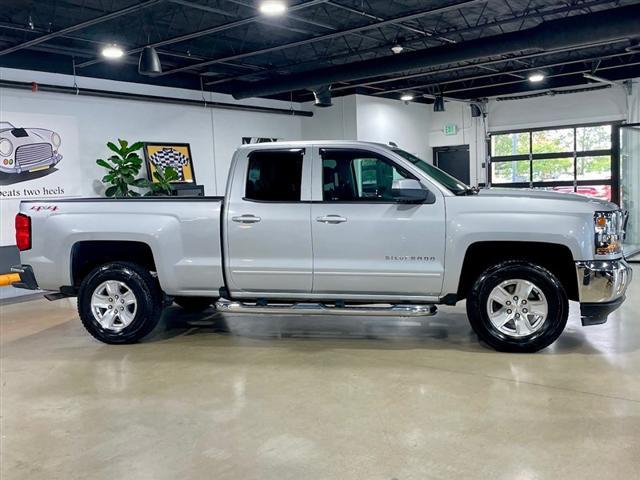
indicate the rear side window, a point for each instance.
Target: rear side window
{"x":356,"y":175}
{"x":274,"y":176}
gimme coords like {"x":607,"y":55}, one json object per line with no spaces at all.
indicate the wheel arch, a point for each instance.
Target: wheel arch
{"x":556,"y":258}
{"x":89,"y":254}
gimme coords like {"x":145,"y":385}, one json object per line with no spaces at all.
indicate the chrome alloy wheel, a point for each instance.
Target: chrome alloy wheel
{"x":113,"y":305}
{"x":517,"y":308}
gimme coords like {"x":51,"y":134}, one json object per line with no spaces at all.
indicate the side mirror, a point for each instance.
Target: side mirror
{"x":408,"y":190}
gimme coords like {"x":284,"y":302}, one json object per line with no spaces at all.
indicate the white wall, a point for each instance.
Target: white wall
{"x":384,"y":120}
{"x":337,"y":122}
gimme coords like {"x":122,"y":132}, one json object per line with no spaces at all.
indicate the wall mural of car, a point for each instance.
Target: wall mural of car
{"x":28,"y":149}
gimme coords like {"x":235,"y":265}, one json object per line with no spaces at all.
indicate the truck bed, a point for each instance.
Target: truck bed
{"x":183,"y":234}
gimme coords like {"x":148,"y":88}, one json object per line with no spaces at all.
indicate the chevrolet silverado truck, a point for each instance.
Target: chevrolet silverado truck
{"x":332,"y":228}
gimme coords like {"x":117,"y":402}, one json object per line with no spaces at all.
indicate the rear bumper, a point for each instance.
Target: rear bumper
{"x":601,"y":288}
{"x":27,"y":278}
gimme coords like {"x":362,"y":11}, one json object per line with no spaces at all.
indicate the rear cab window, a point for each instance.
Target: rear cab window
{"x":274,"y":176}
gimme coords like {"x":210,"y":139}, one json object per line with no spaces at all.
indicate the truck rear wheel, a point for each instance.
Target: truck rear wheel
{"x":517,"y":306}
{"x":194,"y":304}
{"x":119,"y":302}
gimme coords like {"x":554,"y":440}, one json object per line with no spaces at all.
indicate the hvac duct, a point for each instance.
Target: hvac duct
{"x":575,"y":31}
{"x":322,"y":96}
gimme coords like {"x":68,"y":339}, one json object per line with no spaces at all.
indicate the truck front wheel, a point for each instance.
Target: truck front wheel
{"x":119,"y":302}
{"x":517,"y":306}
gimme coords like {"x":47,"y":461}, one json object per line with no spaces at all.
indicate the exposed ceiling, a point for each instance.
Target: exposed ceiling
{"x":228,"y":46}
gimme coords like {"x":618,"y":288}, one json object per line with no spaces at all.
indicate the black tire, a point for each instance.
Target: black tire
{"x":194,"y":304}
{"x":148,"y":301}
{"x":544,"y":280}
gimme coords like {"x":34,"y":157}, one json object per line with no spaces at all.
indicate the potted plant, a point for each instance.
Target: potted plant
{"x":122,"y":169}
{"x":124,"y":166}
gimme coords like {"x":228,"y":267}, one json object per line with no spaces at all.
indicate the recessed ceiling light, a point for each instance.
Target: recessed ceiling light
{"x":406,"y":97}
{"x":273,"y":7}
{"x":112,"y":51}
{"x":397,"y":48}
{"x":536,"y":77}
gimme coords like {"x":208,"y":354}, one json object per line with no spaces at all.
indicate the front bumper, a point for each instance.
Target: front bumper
{"x":601,"y":288}
{"x":47,"y":162}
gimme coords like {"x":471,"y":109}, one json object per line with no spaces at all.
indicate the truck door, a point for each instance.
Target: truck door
{"x":268,"y":233}
{"x":365,"y":242}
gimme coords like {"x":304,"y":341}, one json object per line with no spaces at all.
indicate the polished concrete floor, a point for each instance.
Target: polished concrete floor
{"x":315,"y":398}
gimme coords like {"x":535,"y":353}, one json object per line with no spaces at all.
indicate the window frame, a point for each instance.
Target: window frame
{"x":370,"y":154}
{"x":300,"y":151}
{"x":613,"y":152}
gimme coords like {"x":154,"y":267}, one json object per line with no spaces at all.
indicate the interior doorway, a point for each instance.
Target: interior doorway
{"x":454,"y":160}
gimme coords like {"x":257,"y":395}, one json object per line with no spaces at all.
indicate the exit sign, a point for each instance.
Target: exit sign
{"x":450,"y":129}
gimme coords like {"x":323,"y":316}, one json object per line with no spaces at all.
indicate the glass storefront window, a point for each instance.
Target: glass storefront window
{"x":553,"y":170}
{"x":510,"y":172}
{"x":594,"y":168}
{"x":553,"y":141}
{"x":510,"y":144}
{"x":593,"y":138}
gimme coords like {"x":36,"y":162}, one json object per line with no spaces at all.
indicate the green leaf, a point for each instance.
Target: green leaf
{"x":113,"y":148}
{"x":134,"y":194}
{"x":103,"y":163}
{"x":111,"y":191}
{"x":108,"y":178}
{"x":135,"y":146}
{"x":170,"y":174}
{"x":123,"y":144}
{"x":141,"y":182}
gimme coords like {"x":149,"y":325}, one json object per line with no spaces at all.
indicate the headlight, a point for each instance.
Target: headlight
{"x":609,"y":232}
{"x":55,"y":139}
{"x":6,"y":147}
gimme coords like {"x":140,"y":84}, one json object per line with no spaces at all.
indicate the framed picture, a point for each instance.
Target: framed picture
{"x":175,"y":155}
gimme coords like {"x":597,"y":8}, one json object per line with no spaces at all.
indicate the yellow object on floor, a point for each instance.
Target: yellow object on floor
{"x":8,"y":279}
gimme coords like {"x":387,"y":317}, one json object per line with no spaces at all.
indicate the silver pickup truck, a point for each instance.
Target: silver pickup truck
{"x":332,"y":228}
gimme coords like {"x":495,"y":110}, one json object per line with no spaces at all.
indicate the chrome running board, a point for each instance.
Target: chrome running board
{"x":422,"y":310}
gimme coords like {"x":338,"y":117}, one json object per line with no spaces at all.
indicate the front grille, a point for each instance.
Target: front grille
{"x":27,"y":155}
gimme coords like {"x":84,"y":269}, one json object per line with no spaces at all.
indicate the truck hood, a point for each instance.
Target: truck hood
{"x":596,"y":203}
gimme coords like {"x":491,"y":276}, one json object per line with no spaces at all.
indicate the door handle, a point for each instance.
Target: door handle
{"x":331,"y":219}
{"x":246,"y":219}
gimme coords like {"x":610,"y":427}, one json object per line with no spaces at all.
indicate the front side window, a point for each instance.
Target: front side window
{"x":356,"y":175}
{"x":274,"y":176}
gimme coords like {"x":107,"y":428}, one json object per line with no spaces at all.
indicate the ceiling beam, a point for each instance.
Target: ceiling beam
{"x":497,"y":74}
{"x":80,"y":26}
{"x":206,"y":31}
{"x":328,"y":36}
{"x":518,"y":18}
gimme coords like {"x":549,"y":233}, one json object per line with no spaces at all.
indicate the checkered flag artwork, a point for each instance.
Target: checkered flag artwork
{"x":168,"y":157}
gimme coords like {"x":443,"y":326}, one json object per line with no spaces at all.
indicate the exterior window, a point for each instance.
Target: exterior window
{"x":553,"y":141}
{"x":516,"y":171}
{"x":274,"y":176}
{"x":553,"y":169}
{"x":354,"y":175}
{"x":510,"y":144}
{"x":567,"y":159}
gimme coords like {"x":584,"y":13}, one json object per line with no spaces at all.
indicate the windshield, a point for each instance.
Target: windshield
{"x":443,"y":178}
